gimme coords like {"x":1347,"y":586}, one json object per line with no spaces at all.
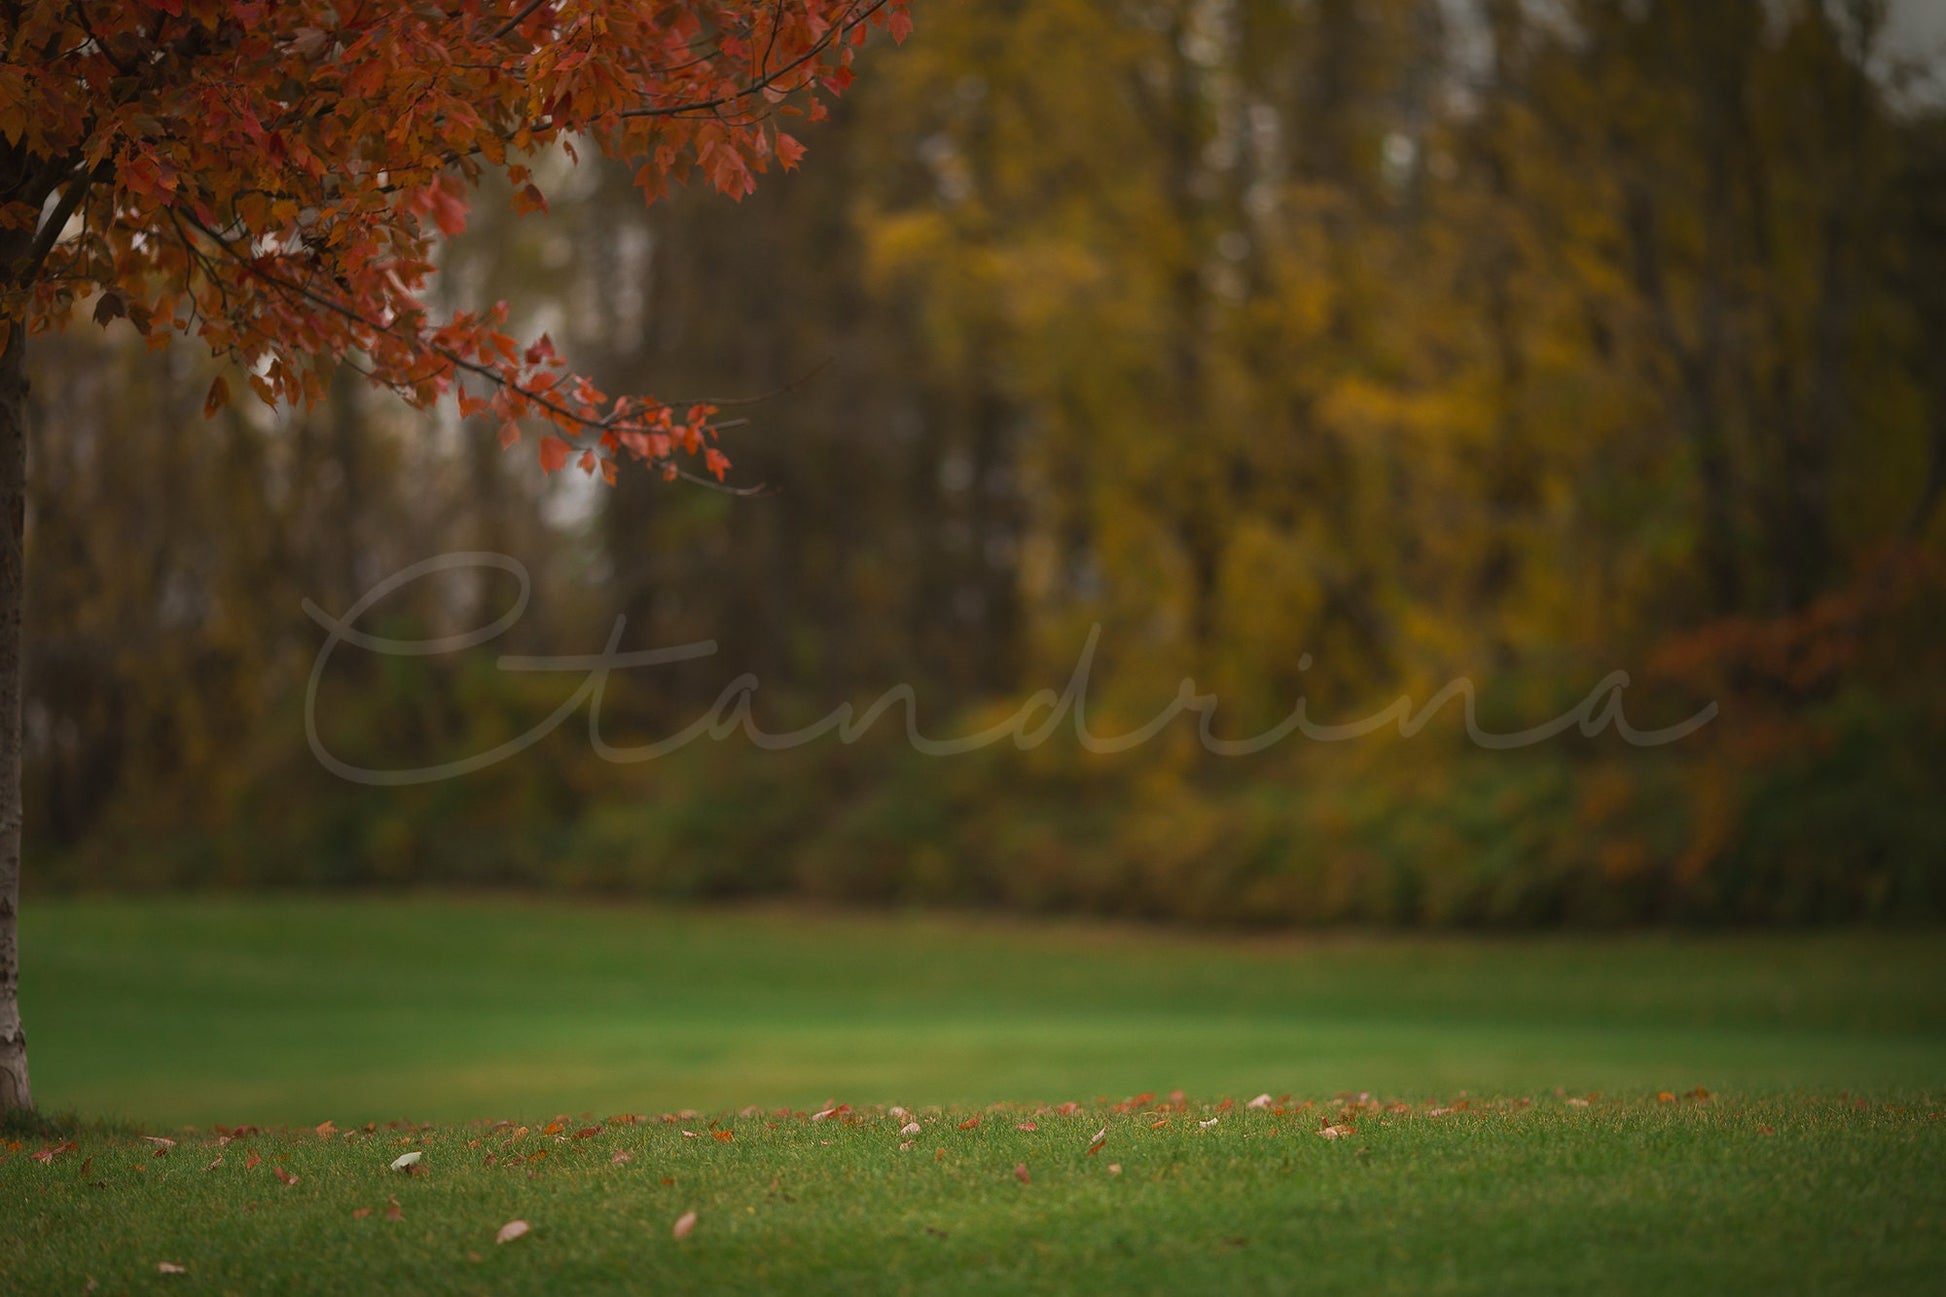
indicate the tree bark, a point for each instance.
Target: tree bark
{"x":14,"y":1090}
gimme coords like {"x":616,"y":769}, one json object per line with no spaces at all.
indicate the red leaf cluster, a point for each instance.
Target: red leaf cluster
{"x":275,"y":179}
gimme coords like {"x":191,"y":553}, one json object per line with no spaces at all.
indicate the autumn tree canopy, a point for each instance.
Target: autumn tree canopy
{"x":274,"y":178}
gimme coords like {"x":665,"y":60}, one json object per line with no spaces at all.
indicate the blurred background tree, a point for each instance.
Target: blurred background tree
{"x":1313,"y":348}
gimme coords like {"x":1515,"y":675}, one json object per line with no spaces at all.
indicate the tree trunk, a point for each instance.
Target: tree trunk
{"x":14,"y":1091}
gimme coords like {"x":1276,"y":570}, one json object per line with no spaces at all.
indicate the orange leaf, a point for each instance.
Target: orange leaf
{"x":723,"y":1136}
{"x":218,"y":396}
{"x":554,"y":453}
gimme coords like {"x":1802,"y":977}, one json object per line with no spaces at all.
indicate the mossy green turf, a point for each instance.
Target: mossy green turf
{"x":296,"y":1010}
{"x":1625,"y":1196}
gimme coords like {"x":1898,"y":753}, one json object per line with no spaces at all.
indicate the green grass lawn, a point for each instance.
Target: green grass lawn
{"x":1817,"y":1163}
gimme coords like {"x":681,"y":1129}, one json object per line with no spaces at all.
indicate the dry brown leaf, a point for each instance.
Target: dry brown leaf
{"x":170,"y":1267}
{"x":971,"y":1123}
{"x":214,"y":1162}
{"x":512,"y":1230}
{"x":1335,"y":1132}
{"x":684,"y":1223}
{"x":723,"y":1136}
{"x":359,"y":1213}
{"x":326,"y":1130}
{"x":251,"y":1161}
{"x":622,"y":1157}
{"x":1020,"y":1174}
{"x":1094,"y":1145}
{"x":910,"y":1128}
{"x":285,"y":1176}
{"x":160,"y":1141}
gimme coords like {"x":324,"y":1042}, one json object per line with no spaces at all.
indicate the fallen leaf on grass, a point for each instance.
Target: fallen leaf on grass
{"x":1094,"y":1145}
{"x":170,"y":1267}
{"x":160,"y":1141}
{"x":251,"y":1161}
{"x":393,"y":1211}
{"x":1020,"y":1174}
{"x":326,"y":1130}
{"x":1766,"y":1130}
{"x":622,"y":1158}
{"x":1577,"y":1103}
{"x":285,"y":1176}
{"x":971,"y":1123}
{"x":1261,"y":1101}
{"x":1335,"y":1132}
{"x":1207,"y":1124}
{"x":1114,"y":1168}
{"x":53,"y":1151}
{"x":1159,"y":1123}
{"x":512,"y":1230}
{"x":554,"y":1127}
{"x":690,"y":1134}
{"x":723,"y":1136}
{"x":684,"y":1223}
{"x":214,"y":1162}
{"x":910,"y":1128}
{"x":359,"y":1213}
{"x":904,"y":1145}
{"x":1025,"y":1125}
{"x":587,"y":1132}
{"x":404,"y":1160}
{"x":1663,"y":1096}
